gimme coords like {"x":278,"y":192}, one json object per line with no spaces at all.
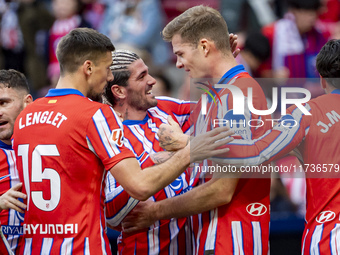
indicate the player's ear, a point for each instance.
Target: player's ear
{"x":323,"y":82}
{"x":118,"y":91}
{"x":28,"y":99}
{"x":205,"y":46}
{"x":88,"y":67}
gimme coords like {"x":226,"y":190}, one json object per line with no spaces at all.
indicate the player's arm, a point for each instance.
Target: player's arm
{"x":9,"y":200}
{"x":205,"y":197}
{"x":274,"y":144}
{"x":143,"y":184}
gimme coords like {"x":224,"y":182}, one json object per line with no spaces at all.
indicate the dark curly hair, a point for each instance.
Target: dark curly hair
{"x":328,"y":62}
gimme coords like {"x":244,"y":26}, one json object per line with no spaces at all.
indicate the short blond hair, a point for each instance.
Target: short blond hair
{"x":199,"y":22}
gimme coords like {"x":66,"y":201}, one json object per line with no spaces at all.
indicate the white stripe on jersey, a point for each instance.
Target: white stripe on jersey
{"x":316,"y":237}
{"x":174,"y":230}
{"x":46,"y":246}
{"x":335,"y":240}
{"x":196,"y":243}
{"x":153,"y":241}
{"x":304,"y":241}
{"x":211,"y":236}
{"x":111,"y":191}
{"x":66,"y":246}
{"x":138,"y":132}
{"x":257,"y":237}
{"x":87,"y":246}
{"x":117,"y":219}
{"x":237,"y":234}
{"x":104,"y":132}
{"x":13,"y":219}
{"x":28,"y":246}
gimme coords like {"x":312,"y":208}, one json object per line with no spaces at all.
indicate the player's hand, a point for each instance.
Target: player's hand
{"x":140,"y":217}
{"x":233,"y":44}
{"x":9,"y":200}
{"x":171,"y":137}
{"x":207,"y":145}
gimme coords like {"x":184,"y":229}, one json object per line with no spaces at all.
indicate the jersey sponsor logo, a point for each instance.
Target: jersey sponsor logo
{"x":12,"y":230}
{"x":117,"y":137}
{"x":325,"y":216}
{"x":59,"y":229}
{"x":256,"y":209}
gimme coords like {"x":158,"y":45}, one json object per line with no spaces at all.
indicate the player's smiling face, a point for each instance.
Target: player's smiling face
{"x":189,"y":57}
{"x":101,"y":75}
{"x":139,"y":89}
{"x":11,"y":104}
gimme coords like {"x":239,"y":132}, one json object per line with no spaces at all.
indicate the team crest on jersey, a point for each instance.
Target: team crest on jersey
{"x":286,"y":121}
{"x":177,"y":185}
{"x":237,"y":123}
{"x":117,"y":137}
{"x":256,"y":209}
{"x":325,"y":216}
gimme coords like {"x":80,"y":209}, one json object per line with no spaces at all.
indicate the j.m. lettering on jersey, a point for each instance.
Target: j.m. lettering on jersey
{"x":333,"y":117}
{"x":46,"y":117}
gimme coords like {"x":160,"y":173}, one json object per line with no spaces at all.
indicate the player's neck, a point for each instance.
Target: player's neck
{"x":130,"y":113}
{"x":72,"y":82}
{"x":8,"y":142}
{"x":224,"y":64}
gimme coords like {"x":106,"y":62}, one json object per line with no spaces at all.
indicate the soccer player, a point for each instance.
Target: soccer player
{"x":223,"y":225}
{"x":14,"y":97}
{"x":63,"y":144}
{"x":130,"y":93}
{"x":315,"y":136}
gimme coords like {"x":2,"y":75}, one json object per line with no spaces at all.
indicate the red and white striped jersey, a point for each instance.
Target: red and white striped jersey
{"x":63,"y":144}
{"x":316,"y":138}
{"x":241,"y":226}
{"x":165,"y":236}
{"x":10,"y":220}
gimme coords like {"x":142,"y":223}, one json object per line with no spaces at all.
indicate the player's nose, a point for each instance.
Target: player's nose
{"x":179,"y":64}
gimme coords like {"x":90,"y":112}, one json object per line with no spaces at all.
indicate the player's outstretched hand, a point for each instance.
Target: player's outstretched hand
{"x":207,"y":145}
{"x":140,"y":217}
{"x":171,"y":137}
{"x":9,"y":200}
{"x":233,"y":44}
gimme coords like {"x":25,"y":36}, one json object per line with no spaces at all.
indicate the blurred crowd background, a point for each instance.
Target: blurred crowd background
{"x":279,"y":39}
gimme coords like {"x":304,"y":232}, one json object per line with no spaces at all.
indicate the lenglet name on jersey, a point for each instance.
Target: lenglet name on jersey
{"x":41,"y":229}
{"x":46,"y":117}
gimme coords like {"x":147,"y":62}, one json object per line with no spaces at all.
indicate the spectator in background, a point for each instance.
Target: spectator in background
{"x":93,"y":12}
{"x":138,"y":23}
{"x":247,"y":15}
{"x":294,"y":42}
{"x":11,"y":38}
{"x":163,"y":85}
{"x":67,"y":17}
{"x":21,"y":41}
{"x":35,"y":22}
{"x":256,"y":50}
